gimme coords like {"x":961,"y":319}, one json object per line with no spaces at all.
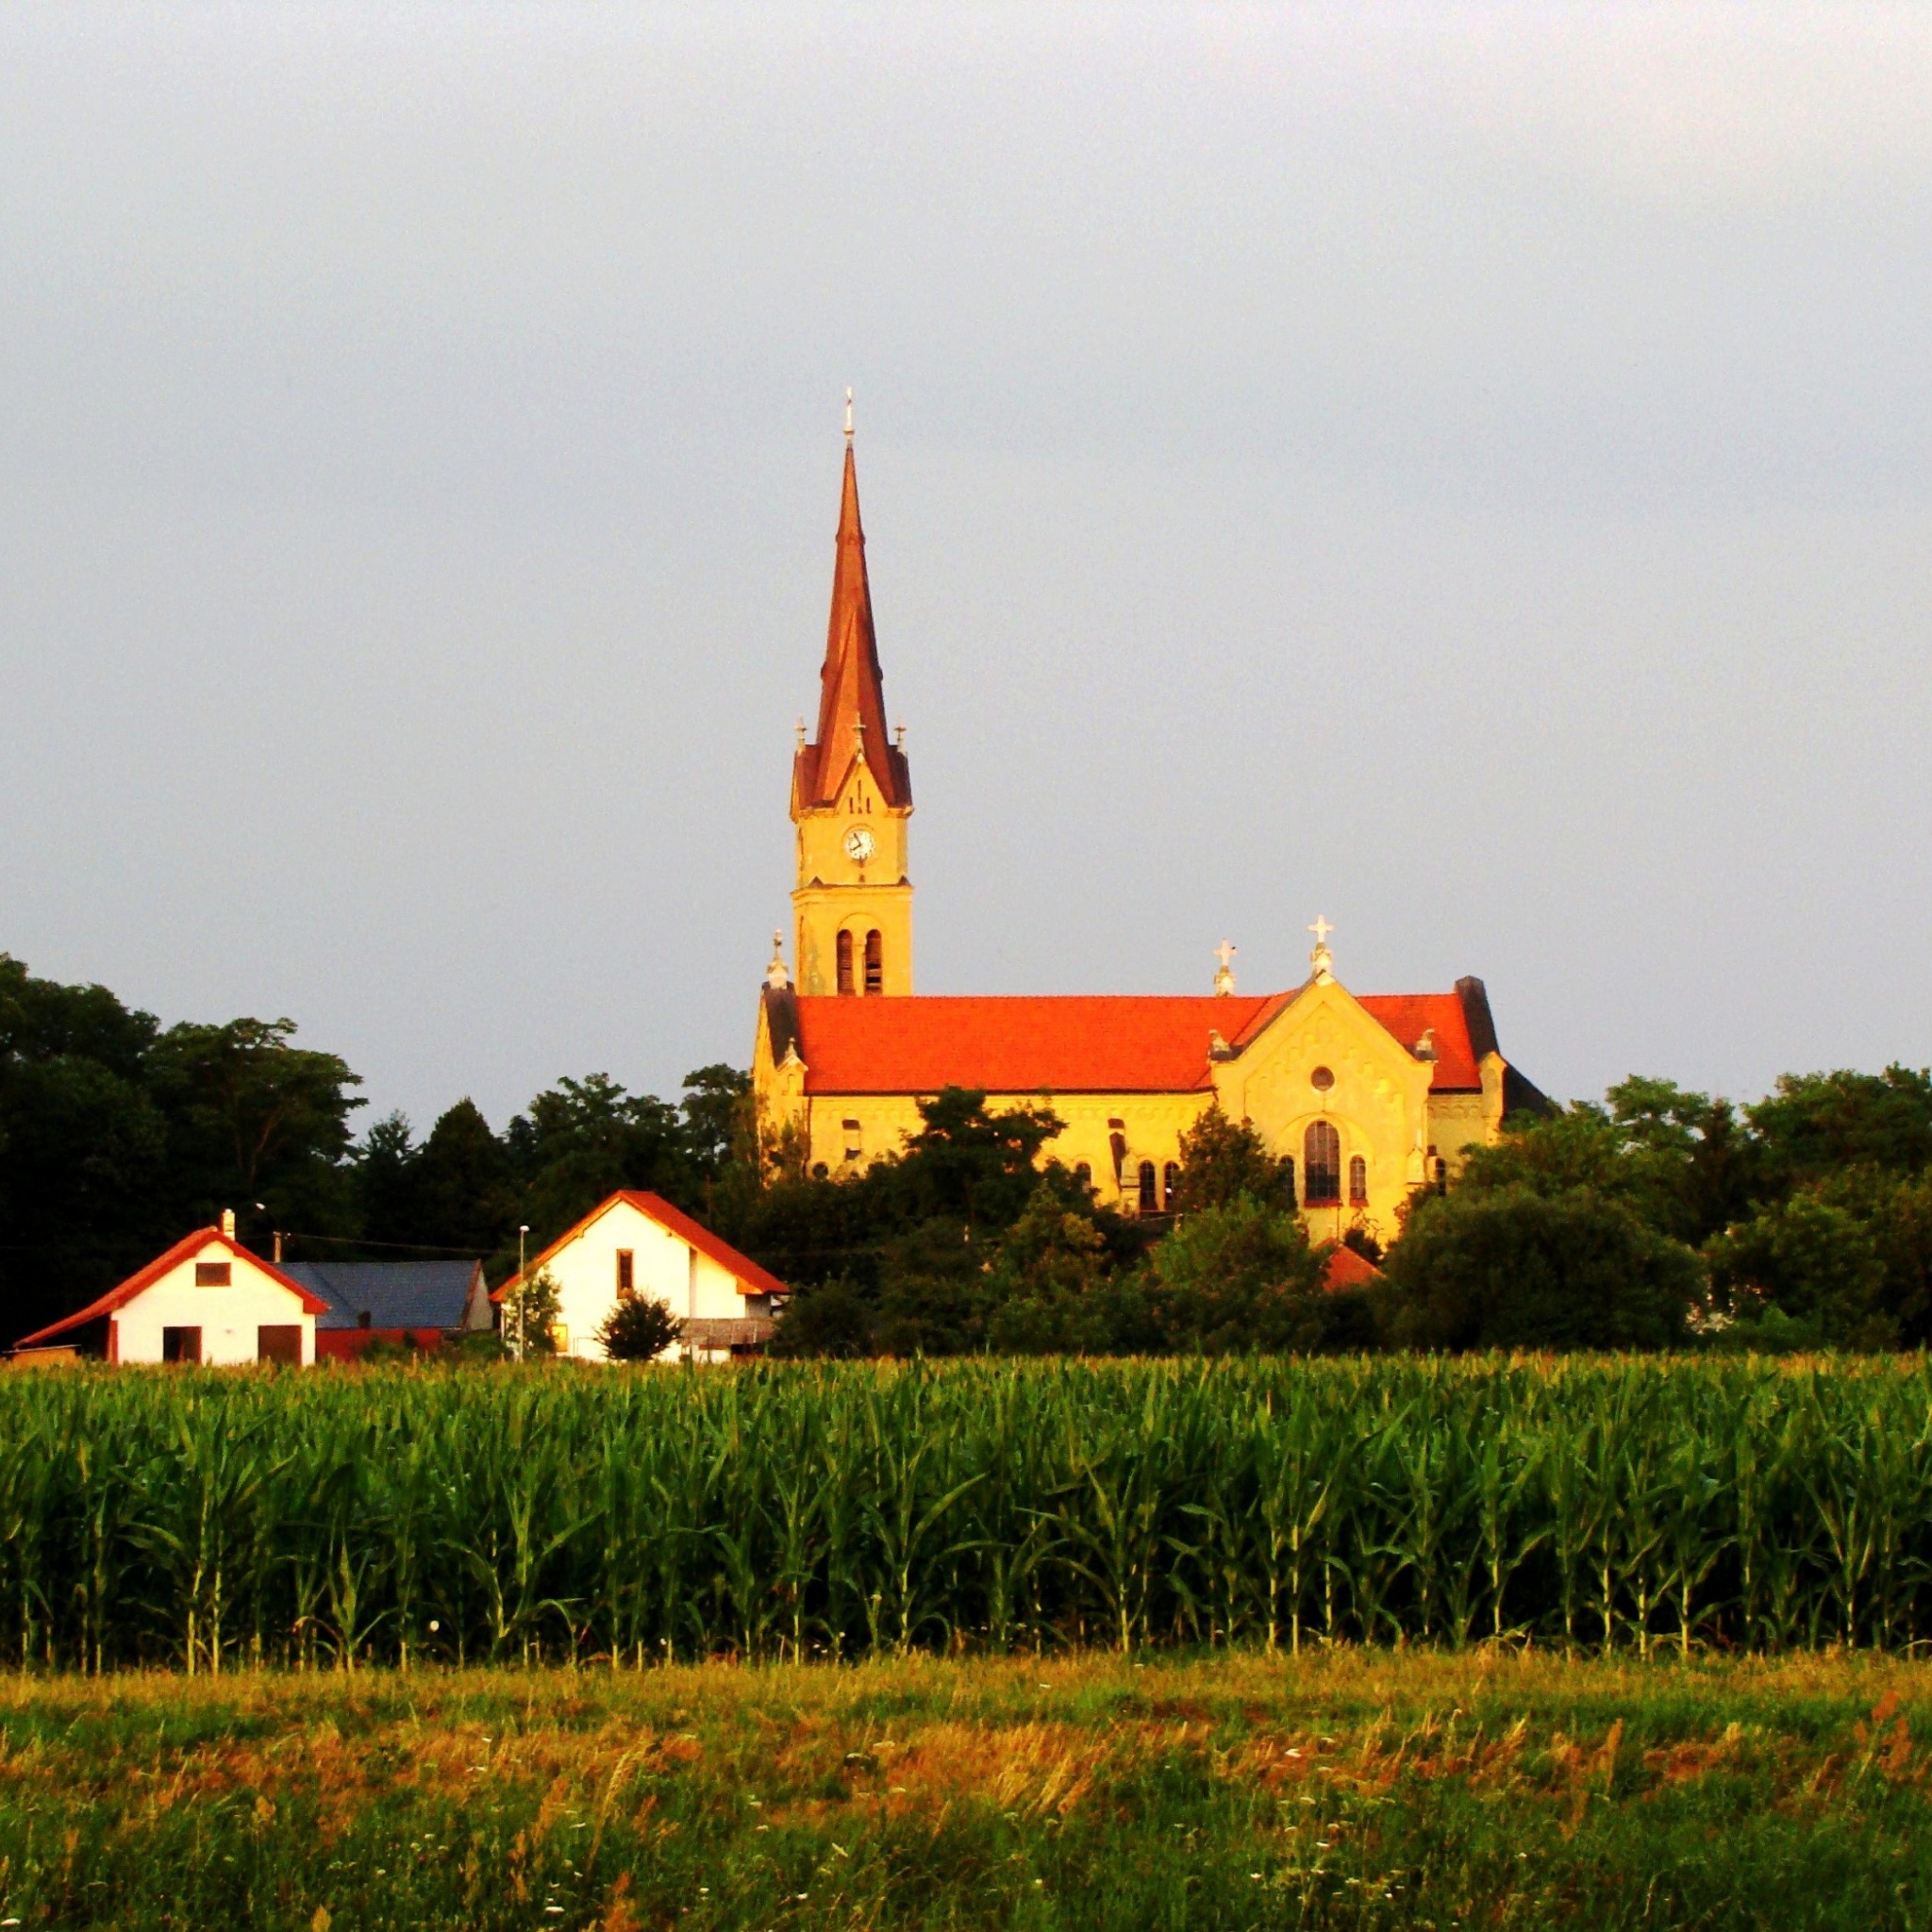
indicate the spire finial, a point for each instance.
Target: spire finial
{"x":1223,"y":979}
{"x":848,"y":412}
{"x":1321,"y":960}
{"x":775,"y":975}
{"x":859,"y":732}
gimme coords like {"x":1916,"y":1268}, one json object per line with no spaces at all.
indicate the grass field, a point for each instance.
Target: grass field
{"x":1345,"y":1788}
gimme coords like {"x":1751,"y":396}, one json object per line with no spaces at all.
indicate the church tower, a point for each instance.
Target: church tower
{"x":851,"y":799}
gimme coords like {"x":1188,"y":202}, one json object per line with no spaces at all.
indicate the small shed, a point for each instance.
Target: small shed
{"x":207,"y":1299}
{"x":636,"y":1243}
{"x":408,"y":1304}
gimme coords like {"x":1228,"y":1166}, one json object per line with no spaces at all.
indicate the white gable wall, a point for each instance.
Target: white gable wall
{"x":666,"y":1267}
{"x":229,"y":1317}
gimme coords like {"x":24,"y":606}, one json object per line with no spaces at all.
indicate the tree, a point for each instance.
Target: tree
{"x":1041,"y":1289}
{"x":583,"y":1141}
{"x":1510,"y":1267}
{"x":1817,"y":1264}
{"x":639,"y":1329}
{"x":966,"y":1165}
{"x":530,"y":1308}
{"x":460,"y":1186}
{"x":1240,"y":1277}
{"x":1221,"y":1160}
{"x":1818,"y":1124}
{"x":252,"y":1117}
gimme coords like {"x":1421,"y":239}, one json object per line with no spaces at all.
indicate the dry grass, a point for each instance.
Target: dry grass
{"x":1347,"y":1787}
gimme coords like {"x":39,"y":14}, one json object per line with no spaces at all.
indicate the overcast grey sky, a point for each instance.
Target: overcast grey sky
{"x":1465,"y":471}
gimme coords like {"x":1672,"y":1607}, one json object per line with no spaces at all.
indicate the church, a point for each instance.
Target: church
{"x":1369,"y":1095}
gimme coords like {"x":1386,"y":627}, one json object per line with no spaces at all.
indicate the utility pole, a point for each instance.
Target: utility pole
{"x":523,"y":1288}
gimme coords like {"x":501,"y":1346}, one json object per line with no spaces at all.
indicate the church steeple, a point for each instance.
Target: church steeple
{"x":852,"y":796}
{"x":852,"y":698}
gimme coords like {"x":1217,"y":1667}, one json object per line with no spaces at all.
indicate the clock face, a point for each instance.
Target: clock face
{"x":859,"y":844}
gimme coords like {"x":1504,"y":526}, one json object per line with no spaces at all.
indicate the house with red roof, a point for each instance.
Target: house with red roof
{"x":207,"y":1299}
{"x":636,"y":1243}
{"x":1369,"y":1096}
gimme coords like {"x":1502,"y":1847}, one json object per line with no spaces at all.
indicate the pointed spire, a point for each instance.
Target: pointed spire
{"x":852,"y":701}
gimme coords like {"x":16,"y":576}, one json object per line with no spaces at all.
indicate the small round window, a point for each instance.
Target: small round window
{"x":1321,"y":1079}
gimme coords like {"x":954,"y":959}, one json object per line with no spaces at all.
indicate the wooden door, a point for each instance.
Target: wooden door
{"x":279,"y":1341}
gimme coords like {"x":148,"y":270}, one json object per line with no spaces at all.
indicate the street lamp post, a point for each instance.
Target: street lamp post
{"x":521,"y":1292}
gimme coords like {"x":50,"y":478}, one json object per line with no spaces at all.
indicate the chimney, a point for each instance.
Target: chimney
{"x":228,"y":1222}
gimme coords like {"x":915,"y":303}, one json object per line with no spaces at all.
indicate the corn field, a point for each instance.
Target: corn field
{"x":211,"y":1519}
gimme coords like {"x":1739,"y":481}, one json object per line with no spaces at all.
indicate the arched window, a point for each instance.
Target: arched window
{"x":1441,"y":1176}
{"x":1150,"y":1200}
{"x":1117,"y":1147}
{"x":845,"y":963}
{"x":875,"y":962}
{"x":1170,"y":1184}
{"x":1357,"y":1181}
{"x":1083,"y":1172}
{"x":1322,"y":1158}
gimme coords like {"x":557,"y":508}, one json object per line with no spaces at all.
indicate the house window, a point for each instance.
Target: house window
{"x":1083,"y":1172}
{"x":180,"y":1344}
{"x":1322,"y":1158}
{"x":1117,"y":1147}
{"x":214,"y":1274}
{"x":1357,"y":1181}
{"x":279,"y":1341}
{"x":874,"y":963}
{"x":845,"y":963}
{"x":1441,"y":1176}
{"x":1170,"y":1184}
{"x":626,"y":1272}
{"x":1150,"y":1197}
{"x":855,"y":1140}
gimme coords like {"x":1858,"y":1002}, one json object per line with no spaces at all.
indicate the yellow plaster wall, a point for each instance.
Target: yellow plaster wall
{"x":836,"y":891}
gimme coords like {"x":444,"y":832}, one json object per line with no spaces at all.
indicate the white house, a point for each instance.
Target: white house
{"x":636,"y":1243}
{"x":207,"y":1300}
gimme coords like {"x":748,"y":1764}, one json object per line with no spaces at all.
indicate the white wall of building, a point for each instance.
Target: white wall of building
{"x":664,"y":1266}
{"x":229,"y":1318}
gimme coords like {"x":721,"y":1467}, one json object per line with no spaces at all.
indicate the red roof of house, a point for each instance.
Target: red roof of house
{"x":751,"y":1278}
{"x":1346,"y":1269}
{"x":1078,"y":1043}
{"x":183,"y":1250}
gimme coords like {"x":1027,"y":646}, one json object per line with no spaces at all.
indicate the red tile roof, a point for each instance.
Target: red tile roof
{"x":183,"y":1250}
{"x":1346,"y":1269}
{"x":1078,"y":1043}
{"x":1409,"y":1014}
{"x":751,"y":1278}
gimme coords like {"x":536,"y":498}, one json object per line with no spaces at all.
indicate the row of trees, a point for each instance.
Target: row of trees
{"x":1657,"y":1217}
{"x":117,"y":1136}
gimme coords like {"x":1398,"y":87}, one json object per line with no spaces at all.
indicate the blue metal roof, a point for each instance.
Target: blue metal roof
{"x":392,"y":1294}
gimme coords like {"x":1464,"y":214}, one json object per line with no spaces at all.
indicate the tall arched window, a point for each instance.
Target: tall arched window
{"x":875,"y":962}
{"x":1150,"y":1198}
{"x":845,"y":963}
{"x":1117,"y":1147}
{"x":1357,"y":1181}
{"x":1170,"y":1184}
{"x":1322,"y":1158}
